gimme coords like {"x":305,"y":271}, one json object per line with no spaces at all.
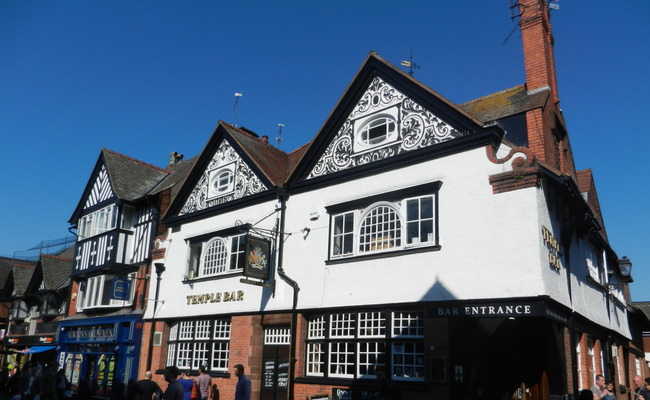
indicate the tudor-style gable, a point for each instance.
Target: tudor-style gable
{"x":386,"y":114}
{"x":114,"y":219}
{"x":235,"y":166}
{"x":227,"y":177}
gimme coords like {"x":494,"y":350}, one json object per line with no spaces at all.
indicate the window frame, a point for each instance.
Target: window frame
{"x":216,"y":188}
{"x":366,"y":134}
{"x":350,"y":344}
{"x":98,"y":222}
{"x":200,"y":342}
{"x":427,"y":216}
{"x":233,"y":244}
{"x":94,"y":293}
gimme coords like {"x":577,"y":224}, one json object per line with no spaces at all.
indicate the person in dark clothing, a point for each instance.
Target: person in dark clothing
{"x":243,"y":388}
{"x":387,"y":388}
{"x":34,"y":384}
{"x":145,"y":388}
{"x":174,"y":389}
{"x":63,"y":387}
{"x":13,"y":384}
{"x":49,"y":382}
{"x":640,"y":393}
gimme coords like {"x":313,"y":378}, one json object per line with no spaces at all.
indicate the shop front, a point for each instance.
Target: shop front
{"x":513,"y":349}
{"x":100,"y":356}
{"x":22,"y":347}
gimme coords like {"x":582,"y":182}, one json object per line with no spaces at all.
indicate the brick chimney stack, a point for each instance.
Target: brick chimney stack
{"x":535,"y":24}
{"x":547,"y":136}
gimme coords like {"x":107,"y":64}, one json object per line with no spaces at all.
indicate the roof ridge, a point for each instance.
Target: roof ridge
{"x":56,"y":257}
{"x":134,"y":160}
{"x":512,"y":89}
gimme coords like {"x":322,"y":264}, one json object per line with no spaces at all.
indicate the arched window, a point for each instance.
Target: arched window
{"x":215,"y":257}
{"x":380,"y":229}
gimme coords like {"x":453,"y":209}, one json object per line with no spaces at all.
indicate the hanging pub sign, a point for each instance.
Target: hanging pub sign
{"x":257,"y":258}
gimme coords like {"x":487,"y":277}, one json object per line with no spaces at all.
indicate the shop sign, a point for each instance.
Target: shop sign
{"x":258,"y":252}
{"x":354,"y":393}
{"x":46,"y":339}
{"x":553,"y":246}
{"x":215,"y":297}
{"x":13,"y":340}
{"x":120,"y":289}
{"x":100,"y":333}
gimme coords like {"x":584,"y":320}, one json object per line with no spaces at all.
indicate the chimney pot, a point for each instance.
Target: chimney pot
{"x":265,"y":139}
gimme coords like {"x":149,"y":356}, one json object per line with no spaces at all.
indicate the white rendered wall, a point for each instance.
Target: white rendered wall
{"x":489,"y":243}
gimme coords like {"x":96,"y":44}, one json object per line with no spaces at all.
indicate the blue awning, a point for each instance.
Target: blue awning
{"x":36,"y":349}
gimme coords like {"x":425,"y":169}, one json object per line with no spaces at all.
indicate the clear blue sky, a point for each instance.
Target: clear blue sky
{"x":145,"y":78}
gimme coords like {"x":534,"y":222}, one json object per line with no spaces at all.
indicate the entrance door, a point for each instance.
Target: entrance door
{"x":275,"y":363}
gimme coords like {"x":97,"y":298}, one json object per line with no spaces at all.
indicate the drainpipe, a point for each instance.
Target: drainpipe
{"x":160,"y":268}
{"x":282,"y":196}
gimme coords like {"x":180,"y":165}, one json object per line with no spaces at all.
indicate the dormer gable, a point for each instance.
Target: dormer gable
{"x":383,"y":115}
{"x":117,"y":177}
{"x":234,"y":166}
{"x":587,"y":187}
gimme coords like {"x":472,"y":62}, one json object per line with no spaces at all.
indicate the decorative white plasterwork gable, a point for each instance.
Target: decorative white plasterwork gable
{"x":408,"y":126}
{"x":102,"y":189}
{"x":226,"y":178}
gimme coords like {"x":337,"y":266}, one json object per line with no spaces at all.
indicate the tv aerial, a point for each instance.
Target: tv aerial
{"x":279,"y":138}
{"x":237,"y":96}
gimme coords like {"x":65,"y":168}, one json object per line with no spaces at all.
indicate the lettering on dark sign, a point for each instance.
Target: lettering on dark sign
{"x":486,"y":310}
{"x":103,"y":333}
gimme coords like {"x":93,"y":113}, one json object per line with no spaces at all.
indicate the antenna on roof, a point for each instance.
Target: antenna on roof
{"x":279,"y":138}
{"x":237,"y":96}
{"x":410,"y":64}
{"x":514,"y":14}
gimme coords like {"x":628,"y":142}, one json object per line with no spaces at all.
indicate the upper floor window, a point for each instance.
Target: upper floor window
{"x":19,"y":309}
{"x":100,"y":291}
{"x":98,"y":222}
{"x":384,"y":226}
{"x":217,"y":256}
{"x":378,"y":130}
{"x":52,"y":304}
{"x":221,"y":181}
{"x":592,"y":260}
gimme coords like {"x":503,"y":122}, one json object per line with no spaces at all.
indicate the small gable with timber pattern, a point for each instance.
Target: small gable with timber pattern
{"x":226,"y":178}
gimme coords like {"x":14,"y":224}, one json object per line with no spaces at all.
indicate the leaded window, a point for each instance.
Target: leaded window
{"x":197,"y":343}
{"x":353,"y":344}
